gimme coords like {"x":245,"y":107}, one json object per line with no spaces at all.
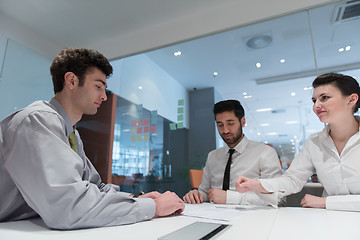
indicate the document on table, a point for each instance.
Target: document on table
{"x":215,"y":211}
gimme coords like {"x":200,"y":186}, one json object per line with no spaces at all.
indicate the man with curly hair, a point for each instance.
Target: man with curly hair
{"x":43,"y":167}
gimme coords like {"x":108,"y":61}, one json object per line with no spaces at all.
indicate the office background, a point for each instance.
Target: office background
{"x":164,"y":124}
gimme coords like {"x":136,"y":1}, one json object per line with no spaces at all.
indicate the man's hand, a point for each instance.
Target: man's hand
{"x":193,"y":196}
{"x":310,"y":201}
{"x":244,"y":184}
{"x":217,"y":196}
{"x":167,"y":204}
{"x":152,"y":195}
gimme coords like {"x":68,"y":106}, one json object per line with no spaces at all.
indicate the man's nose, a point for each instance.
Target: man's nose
{"x":104,"y":96}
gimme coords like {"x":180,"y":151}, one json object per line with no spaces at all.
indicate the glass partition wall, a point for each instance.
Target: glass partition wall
{"x":268,"y":66}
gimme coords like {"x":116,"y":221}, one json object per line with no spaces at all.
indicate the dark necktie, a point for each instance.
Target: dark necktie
{"x":226,"y":182}
{"x":72,"y":141}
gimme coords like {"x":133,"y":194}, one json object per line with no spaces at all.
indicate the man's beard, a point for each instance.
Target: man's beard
{"x":236,"y":139}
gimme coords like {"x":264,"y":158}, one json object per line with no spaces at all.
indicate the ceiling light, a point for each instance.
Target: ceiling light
{"x":266,"y":142}
{"x":347,"y":48}
{"x":258,"y":134}
{"x":259,"y":41}
{"x":264,"y":124}
{"x":244,"y":93}
{"x":272,"y":133}
{"x":282,"y":60}
{"x":140,"y":87}
{"x":341,"y":49}
{"x":247,"y":96}
{"x":215,"y":74}
{"x":307,"y":88}
{"x":177,"y":53}
{"x":293,"y":94}
{"x":264,"y":109}
{"x":258,"y":65}
{"x":291,"y":122}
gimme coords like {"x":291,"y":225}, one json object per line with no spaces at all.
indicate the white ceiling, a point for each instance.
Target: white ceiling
{"x":308,"y":40}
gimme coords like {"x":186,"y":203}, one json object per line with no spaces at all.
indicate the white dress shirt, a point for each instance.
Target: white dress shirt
{"x":339,"y":174}
{"x":250,"y":159}
{"x":41,"y":175}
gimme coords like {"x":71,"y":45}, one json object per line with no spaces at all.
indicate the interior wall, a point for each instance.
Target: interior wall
{"x":25,"y":78}
{"x":202,"y":138}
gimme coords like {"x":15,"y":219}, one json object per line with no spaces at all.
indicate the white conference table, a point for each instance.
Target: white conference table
{"x":265,"y":223}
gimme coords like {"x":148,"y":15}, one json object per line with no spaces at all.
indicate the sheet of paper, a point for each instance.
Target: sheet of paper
{"x":220,"y":212}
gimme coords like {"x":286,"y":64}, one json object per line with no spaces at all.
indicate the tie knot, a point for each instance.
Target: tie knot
{"x":231,"y":151}
{"x":72,"y":141}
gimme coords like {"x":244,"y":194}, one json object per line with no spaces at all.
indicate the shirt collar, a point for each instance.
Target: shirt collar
{"x":64,"y":114}
{"x":240,"y":147}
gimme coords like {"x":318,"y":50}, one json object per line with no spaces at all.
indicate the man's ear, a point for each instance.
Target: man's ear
{"x":70,"y":80}
{"x":243,"y":121}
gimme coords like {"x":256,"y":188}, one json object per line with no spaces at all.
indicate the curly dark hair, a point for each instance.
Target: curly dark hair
{"x":79,"y":61}
{"x":229,"y":105}
{"x":346,"y":84}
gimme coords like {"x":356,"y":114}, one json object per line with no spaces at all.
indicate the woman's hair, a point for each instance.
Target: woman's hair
{"x":80,"y":61}
{"x":346,"y":84}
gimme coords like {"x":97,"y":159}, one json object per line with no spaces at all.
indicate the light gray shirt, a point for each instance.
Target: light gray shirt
{"x":338,"y":173}
{"x":40,"y":174}
{"x":250,"y":159}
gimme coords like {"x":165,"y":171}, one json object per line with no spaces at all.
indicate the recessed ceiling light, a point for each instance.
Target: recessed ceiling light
{"x":291,"y":122}
{"x":177,"y":53}
{"x":266,"y":142}
{"x":258,"y":134}
{"x":264,"y":125}
{"x":272,"y":134}
{"x":247,"y":96}
{"x":341,"y":49}
{"x":347,"y":48}
{"x":293,"y":94}
{"x":258,"y":65}
{"x":264,"y":109}
{"x":307,"y":88}
{"x":282,"y":60}
{"x":244,"y":93}
{"x":140,"y":87}
{"x":215,"y":74}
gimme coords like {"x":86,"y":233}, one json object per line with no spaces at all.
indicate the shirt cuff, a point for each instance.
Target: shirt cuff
{"x":343,"y":203}
{"x":147,"y":208}
{"x":233,"y":197}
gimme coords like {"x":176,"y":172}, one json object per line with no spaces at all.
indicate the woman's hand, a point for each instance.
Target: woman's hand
{"x":310,"y":201}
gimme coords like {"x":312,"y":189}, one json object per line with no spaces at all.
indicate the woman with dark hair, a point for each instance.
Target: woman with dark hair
{"x":334,"y":153}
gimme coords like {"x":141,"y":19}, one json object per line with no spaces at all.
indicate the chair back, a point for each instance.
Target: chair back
{"x":195,"y":177}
